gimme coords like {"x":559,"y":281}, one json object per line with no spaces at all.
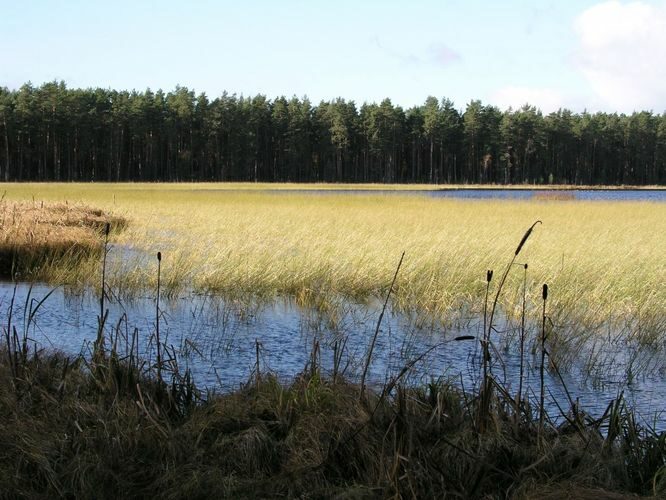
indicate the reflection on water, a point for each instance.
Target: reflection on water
{"x":215,"y":339}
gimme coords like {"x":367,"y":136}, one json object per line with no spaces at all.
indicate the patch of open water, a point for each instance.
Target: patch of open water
{"x":526,"y":193}
{"x":215,"y":339}
{"x":652,"y":195}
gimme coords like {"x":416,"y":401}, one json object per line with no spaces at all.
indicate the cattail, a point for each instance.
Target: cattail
{"x":525,"y":267}
{"x":157,"y":319}
{"x":489,"y":275}
{"x":542,"y":409}
{"x":525,"y":236}
{"x":107,"y":228}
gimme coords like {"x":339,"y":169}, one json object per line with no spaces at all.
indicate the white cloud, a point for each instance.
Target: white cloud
{"x":621,"y":52}
{"x":546,"y":99}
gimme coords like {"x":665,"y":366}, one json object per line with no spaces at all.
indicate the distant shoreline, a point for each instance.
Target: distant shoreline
{"x":297,"y":186}
{"x":558,"y":187}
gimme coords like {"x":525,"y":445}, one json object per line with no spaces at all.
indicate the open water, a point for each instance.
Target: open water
{"x":217,"y":339}
{"x":651,"y":195}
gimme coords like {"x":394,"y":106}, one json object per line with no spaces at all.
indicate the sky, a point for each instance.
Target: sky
{"x":581,"y":55}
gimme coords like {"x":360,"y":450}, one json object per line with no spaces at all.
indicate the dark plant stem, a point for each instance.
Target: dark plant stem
{"x":338,"y":350}
{"x":486,"y":336}
{"x":314,"y":369}
{"x":506,"y":273}
{"x":522,"y":338}
{"x":257,"y":372}
{"x":336,"y":346}
{"x":106,"y":250}
{"x":157,"y":318}
{"x":379,"y":322}
{"x":99,"y":342}
{"x":487,"y":386}
{"x":543,"y":359}
{"x":12,"y":366}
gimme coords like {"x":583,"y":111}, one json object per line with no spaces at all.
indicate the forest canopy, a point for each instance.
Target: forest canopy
{"x":53,"y":133}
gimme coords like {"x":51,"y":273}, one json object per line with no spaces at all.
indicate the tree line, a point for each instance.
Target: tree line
{"x":53,"y":133}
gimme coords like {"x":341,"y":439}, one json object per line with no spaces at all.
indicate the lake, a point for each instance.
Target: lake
{"x":653,"y":195}
{"x":216,"y":340}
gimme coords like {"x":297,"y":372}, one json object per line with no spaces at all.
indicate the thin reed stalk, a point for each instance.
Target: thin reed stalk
{"x":257,"y":372}
{"x":102,"y":296}
{"x":522,"y":338}
{"x":103,"y":312}
{"x":486,"y":337}
{"x":542,"y":368}
{"x":338,"y":351}
{"x":157,"y":319}
{"x":315,"y":358}
{"x":12,"y":365}
{"x":506,"y":273}
{"x":379,"y":322}
{"x":487,"y":386}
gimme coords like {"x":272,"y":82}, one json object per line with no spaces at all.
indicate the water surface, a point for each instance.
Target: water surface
{"x":216,"y":340}
{"x":652,"y":195}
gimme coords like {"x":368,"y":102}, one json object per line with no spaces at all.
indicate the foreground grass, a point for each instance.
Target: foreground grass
{"x":603,"y":261}
{"x":107,"y":429}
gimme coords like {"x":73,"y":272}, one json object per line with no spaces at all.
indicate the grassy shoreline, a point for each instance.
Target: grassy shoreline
{"x":107,"y":428}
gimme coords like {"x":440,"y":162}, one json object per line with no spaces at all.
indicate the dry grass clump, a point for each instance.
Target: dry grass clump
{"x":109,"y":430}
{"x":38,"y":235}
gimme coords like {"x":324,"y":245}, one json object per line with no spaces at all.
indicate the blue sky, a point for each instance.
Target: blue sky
{"x":582,"y":54}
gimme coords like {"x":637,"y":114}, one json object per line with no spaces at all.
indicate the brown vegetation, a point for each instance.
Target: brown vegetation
{"x":34,"y":234}
{"x":107,"y":429}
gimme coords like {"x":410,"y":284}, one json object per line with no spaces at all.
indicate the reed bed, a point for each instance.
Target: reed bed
{"x":605,"y":260}
{"x":37,"y":239}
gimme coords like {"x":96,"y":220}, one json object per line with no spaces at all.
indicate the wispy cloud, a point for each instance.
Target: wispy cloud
{"x":436,"y":54}
{"x":442,"y":54}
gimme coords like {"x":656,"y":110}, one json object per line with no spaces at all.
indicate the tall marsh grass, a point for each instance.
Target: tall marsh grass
{"x":605,"y":260}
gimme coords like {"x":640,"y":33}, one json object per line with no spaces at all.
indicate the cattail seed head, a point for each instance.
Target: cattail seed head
{"x":159,"y":256}
{"x":489,"y":275}
{"x":107,"y":228}
{"x":525,"y":236}
{"x":525,"y":267}
{"x":545,"y":291}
